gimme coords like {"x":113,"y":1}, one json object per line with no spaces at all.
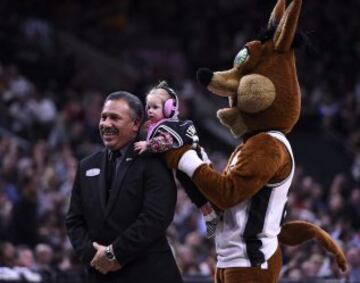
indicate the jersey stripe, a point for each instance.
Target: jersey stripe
{"x":254,"y":226}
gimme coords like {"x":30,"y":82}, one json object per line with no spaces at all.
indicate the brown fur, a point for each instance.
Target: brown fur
{"x":269,"y":69}
{"x":251,"y":274}
{"x":263,"y":152}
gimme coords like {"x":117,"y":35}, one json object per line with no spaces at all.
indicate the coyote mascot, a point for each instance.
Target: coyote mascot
{"x":264,"y":105}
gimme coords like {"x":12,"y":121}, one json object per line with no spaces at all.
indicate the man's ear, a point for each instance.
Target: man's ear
{"x":137,"y":125}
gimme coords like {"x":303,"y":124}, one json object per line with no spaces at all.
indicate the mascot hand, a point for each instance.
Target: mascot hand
{"x":173,"y":156}
{"x":205,"y":157}
{"x":186,"y":159}
{"x":189,"y":162}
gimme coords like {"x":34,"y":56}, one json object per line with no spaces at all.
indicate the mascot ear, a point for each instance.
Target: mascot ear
{"x":285,"y":31}
{"x":277,"y":13}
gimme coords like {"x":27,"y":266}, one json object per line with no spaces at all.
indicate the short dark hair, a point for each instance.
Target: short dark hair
{"x":135,"y":104}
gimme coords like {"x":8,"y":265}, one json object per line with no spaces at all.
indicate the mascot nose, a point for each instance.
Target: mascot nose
{"x":204,"y":76}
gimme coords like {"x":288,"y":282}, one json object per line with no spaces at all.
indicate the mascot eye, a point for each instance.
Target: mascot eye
{"x":241,"y":57}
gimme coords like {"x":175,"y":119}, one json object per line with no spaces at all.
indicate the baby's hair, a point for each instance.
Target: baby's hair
{"x":165,"y":86}
{"x":162,"y":84}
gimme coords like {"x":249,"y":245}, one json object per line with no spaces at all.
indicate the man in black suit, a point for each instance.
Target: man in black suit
{"x":117,"y":221}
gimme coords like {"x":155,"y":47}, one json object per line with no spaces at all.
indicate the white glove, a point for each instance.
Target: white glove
{"x":189,"y":162}
{"x":204,"y":156}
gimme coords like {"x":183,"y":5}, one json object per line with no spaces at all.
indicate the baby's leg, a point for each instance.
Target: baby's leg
{"x":200,"y":201}
{"x":193,"y":193}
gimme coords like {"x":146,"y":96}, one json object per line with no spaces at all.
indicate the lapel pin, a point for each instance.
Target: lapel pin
{"x":128,"y":159}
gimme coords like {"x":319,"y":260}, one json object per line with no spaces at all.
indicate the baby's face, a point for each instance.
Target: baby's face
{"x":154,"y":106}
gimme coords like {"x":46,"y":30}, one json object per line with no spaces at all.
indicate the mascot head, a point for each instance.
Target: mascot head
{"x":262,"y":86}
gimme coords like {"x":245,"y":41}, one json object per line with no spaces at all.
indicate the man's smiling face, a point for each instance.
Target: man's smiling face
{"x":117,"y":126}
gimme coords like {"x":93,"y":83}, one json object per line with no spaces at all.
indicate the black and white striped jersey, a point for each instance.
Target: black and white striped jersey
{"x":247,"y":234}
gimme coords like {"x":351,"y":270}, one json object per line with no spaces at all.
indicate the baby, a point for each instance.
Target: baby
{"x":164,"y":132}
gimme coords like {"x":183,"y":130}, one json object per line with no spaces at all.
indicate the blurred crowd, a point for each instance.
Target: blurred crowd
{"x":49,"y":119}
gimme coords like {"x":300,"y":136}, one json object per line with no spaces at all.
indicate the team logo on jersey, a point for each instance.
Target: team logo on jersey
{"x":190,"y":131}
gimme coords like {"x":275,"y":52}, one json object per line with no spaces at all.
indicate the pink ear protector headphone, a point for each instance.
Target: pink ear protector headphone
{"x":170,"y":107}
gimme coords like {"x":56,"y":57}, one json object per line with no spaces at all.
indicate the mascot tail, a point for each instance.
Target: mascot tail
{"x":297,"y":232}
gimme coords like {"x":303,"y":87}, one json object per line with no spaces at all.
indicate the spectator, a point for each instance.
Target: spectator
{"x":7,"y":254}
{"x":24,"y":218}
{"x":353,"y":255}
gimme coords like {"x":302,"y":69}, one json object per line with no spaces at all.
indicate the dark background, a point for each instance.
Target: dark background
{"x":59,"y":59}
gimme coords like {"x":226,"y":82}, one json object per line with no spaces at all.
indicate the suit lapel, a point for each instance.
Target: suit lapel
{"x":121,"y":170}
{"x":102,"y":180}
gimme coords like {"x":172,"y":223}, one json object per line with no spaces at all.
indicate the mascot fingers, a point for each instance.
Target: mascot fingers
{"x":205,"y":157}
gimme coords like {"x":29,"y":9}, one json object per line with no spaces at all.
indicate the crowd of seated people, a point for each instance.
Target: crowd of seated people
{"x":151,"y":40}
{"x":48,"y":122}
{"x":38,"y":158}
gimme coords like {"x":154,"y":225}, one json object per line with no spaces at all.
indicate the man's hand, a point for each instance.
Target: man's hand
{"x":101,"y":263}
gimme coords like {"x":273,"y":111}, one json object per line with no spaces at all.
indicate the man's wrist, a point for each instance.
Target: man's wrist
{"x":109,"y":253}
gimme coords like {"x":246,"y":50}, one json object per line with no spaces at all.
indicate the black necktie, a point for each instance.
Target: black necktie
{"x":111,"y":170}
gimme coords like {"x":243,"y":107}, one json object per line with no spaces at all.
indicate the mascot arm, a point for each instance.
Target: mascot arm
{"x":173,"y":156}
{"x":260,"y":160}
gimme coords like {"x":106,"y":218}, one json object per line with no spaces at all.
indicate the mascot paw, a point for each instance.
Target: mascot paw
{"x":173,"y":156}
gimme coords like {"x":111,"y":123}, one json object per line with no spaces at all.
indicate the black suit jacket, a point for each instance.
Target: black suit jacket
{"x":134,"y":219}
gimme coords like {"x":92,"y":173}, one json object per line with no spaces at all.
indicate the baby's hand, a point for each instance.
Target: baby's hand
{"x":140,"y":146}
